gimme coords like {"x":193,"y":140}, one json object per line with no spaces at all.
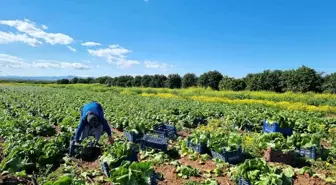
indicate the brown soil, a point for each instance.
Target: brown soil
{"x":280,"y":157}
{"x":58,"y":129}
{"x":170,"y":177}
{"x":183,"y":133}
{"x":307,"y":180}
{"x":11,"y":180}
{"x":325,"y":143}
{"x":119,"y":133}
{"x":208,"y":165}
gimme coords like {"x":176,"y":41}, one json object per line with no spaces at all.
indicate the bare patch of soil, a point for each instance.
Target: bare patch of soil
{"x":307,"y":180}
{"x":208,"y":165}
{"x":119,"y":133}
{"x":325,"y":143}
{"x":171,"y":178}
{"x":11,"y":180}
{"x":183,"y":133}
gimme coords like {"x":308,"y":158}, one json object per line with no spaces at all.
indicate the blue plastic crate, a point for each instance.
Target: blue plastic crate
{"x":199,"y":148}
{"x":242,"y":181}
{"x":133,"y":137}
{"x":106,"y":170}
{"x":231,"y":157}
{"x":275,"y":127}
{"x":153,"y":179}
{"x":159,"y":143}
{"x":309,"y":152}
{"x":164,"y":130}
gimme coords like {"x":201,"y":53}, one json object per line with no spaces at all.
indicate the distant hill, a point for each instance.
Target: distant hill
{"x":36,"y":78}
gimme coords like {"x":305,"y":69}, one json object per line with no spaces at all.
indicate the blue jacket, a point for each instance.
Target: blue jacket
{"x":98,"y":110}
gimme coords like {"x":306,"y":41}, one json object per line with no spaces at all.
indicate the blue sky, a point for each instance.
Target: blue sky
{"x":115,"y":37}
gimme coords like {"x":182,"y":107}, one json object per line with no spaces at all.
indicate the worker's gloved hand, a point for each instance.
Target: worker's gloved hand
{"x":111,"y":141}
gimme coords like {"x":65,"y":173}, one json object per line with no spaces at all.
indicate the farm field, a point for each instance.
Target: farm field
{"x":38,"y":122}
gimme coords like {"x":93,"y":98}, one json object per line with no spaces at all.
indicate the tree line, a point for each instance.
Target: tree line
{"x":302,"y":79}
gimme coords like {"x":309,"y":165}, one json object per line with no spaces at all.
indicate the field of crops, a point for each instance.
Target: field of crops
{"x":220,"y":138}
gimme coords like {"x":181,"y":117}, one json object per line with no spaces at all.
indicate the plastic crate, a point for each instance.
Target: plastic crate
{"x":275,"y":127}
{"x":278,"y":156}
{"x":159,"y":143}
{"x":229,"y":157}
{"x":242,"y":181}
{"x":153,"y":179}
{"x":199,"y":148}
{"x":133,"y":137}
{"x":309,"y":152}
{"x":166,"y":131}
{"x":106,"y":170}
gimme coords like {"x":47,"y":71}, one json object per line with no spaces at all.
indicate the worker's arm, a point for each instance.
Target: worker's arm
{"x":80,"y":129}
{"x":107,"y":129}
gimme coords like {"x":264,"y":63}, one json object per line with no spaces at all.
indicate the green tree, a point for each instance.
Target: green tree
{"x":210,"y":79}
{"x":146,"y":80}
{"x":63,"y":81}
{"x":174,"y":81}
{"x":303,"y":79}
{"x":158,"y":81}
{"x":102,"y":79}
{"x":74,"y":80}
{"x":189,"y":80}
{"x":228,"y":83}
{"x":329,"y":84}
{"x":267,"y":80}
{"x":137,"y":81}
{"x":124,"y":81}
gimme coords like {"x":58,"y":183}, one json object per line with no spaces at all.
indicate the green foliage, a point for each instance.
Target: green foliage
{"x":210,"y":79}
{"x":158,"y":81}
{"x":267,"y":80}
{"x":137,"y":81}
{"x":228,"y":83}
{"x":329,"y":85}
{"x":146,"y":80}
{"x":174,"y":81}
{"x":189,"y":80}
{"x":222,"y":140}
{"x":132,"y":173}
{"x":256,"y":171}
{"x":187,"y":171}
{"x":303,"y":79}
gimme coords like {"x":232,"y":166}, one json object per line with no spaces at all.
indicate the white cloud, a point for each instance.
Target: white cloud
{"x":59,"y":65}
{"x":8,"y":37}
{"x":157,"y":65}
{"x":72,"y":49}
{"x":44,"y":27}
{"x":115,"y":54}
{"x":30,"y":28}
{"x":8,"y":61}
{"x":123,"y":63}
{"x":91,"y":44}
{"x":11,"y":61}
